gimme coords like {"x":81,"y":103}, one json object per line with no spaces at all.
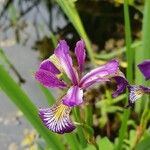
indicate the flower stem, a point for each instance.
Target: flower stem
{"x":80,"y":133}
{"x":130,"y":59}
{"x":142,"y":127}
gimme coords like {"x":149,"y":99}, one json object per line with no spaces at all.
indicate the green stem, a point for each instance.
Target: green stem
{"x":146,"y":41}
{"x":142,"y":127}
{"x":144,"y":54}
{"x":89,"y":115}
{"x":130,"y":59}
{"x":80,"y":133}
{"x":129,"y":51}
{"x":146,"y":30}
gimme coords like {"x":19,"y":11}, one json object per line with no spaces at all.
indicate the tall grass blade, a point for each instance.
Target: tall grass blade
{"x":69,"y":8}
{"x":146,"y":30}
{"x":79,"y":129}
{"x":22,"y":101}
{"x":143,"y":54}
{"x":72,"y":141}
{"x":130,"y":60}
{"x":146,"y":41}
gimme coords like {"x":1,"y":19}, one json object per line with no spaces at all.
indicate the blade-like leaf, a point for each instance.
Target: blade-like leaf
{"x":70,"y":10}
{"x":144,"y":144}
{"x":22,"y":101}
{"x":104,"y":144}
{"x":73,"y":142}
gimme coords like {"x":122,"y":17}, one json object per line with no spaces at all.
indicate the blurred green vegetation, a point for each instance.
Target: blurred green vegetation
{"x":111,"y":29}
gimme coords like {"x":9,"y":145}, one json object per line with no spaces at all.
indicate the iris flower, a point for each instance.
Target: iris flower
{"x":135,"y":91}
{"x":56,"y":118}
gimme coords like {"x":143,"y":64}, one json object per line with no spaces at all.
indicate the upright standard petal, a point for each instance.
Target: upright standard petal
{"x":49,"y":66}
{"x":80,"y":54}
{"x":105,"y":71}
{"x":62,"y":52}
{"x":57,"y":118}
{"x":145,"y":69}
{"x":48,"y":79}
{"x":122,"y":83}
{"x":73,"y":97}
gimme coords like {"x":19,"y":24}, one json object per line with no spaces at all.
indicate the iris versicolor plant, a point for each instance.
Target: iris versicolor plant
{"x":56,"y":118}
{"x":135,"y":91}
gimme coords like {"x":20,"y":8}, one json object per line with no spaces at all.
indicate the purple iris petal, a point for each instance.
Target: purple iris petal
{"x":80,"y":54}
{"x":145,"y":69}
{"x":73,"y":97}
{"x":122,"y":83}
{"x":145,"y":89}
{"x":49,"y":66}
{"x":62,"y":52}
{"x":103,"y":71}
{"x":48,"y":79}
{"x":94,"y":81}
{"x":57,"y":118}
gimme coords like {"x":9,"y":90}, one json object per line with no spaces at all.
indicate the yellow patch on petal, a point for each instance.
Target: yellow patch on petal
{"x":54,"y":59}
{"x":60,"y":111}
{"x":57,"y":118}
{"x":139,"y":92}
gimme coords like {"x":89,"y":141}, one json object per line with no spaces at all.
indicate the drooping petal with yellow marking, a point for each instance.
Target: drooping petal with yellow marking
{"x":136,"y":92}
{"x":57,"y":118}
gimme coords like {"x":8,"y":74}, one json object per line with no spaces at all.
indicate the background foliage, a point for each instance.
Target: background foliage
{"x":111,"y":29}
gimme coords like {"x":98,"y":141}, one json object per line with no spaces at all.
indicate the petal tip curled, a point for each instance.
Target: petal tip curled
{"x":144,"y":67}
{"x":57,"y":118}
{"x":122,"y":83}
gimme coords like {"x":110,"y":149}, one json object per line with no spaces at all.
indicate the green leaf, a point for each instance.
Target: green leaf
{"x":90,"y":147}
{"x":105,"y":144}
{"x":73,"y":142}
{"x":22,"y":101}
{"x":144,"y":144}
{"x":119,"y":51}
{"x":80,"y":132}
